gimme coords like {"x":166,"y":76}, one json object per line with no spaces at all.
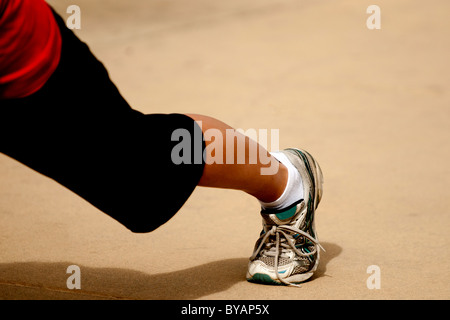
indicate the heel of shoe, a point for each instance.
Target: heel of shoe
{"x":319,"y":185}
{"x":319,"y":178}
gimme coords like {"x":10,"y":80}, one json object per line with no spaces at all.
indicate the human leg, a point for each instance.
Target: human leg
{"x":287,"y":251}
{"x":246,"y":176}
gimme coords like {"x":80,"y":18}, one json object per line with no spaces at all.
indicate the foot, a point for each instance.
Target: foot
{"x":287,"y":251}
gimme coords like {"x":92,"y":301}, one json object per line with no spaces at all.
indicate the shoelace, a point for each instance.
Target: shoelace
{"x":288,"y":243}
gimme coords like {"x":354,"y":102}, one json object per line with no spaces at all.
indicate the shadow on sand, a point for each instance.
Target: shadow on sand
{"x":43,"y":280}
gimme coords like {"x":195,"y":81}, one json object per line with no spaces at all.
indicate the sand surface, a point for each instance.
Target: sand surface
{"x":373,"y":106}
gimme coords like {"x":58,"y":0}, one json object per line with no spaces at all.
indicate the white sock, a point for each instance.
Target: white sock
{"x":294,"y":187}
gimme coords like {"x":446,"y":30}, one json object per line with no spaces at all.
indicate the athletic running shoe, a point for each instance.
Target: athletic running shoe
{"x":287,"y":251}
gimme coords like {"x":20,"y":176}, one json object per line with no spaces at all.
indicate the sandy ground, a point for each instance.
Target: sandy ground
{"x":372,"y":105}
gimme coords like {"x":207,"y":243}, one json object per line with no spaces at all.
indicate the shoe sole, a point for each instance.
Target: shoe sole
{"x":315,"y":172}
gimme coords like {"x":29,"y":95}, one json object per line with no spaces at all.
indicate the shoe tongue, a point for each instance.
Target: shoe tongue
{"x":280,"y":217}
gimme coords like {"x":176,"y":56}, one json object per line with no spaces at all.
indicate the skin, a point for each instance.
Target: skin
{"x":245,"y":177}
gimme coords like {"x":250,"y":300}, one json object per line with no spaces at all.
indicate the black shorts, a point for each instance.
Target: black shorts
{"x":79,"y":131}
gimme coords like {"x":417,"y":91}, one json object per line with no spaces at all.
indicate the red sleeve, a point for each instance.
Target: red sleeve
{"x":30,"y":46}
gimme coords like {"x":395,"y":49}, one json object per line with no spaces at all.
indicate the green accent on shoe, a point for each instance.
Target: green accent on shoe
{"x":287,"y":214}
{"x":264,"y":279}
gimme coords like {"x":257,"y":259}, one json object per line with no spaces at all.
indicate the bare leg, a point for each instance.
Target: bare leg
{"x":246,"y":177}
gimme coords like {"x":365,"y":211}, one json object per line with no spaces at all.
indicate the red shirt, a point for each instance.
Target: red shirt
{"x":30,"y":46}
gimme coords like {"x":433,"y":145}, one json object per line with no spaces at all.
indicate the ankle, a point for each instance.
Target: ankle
{"x":275,"y":186}
{"x":293,"y":189}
